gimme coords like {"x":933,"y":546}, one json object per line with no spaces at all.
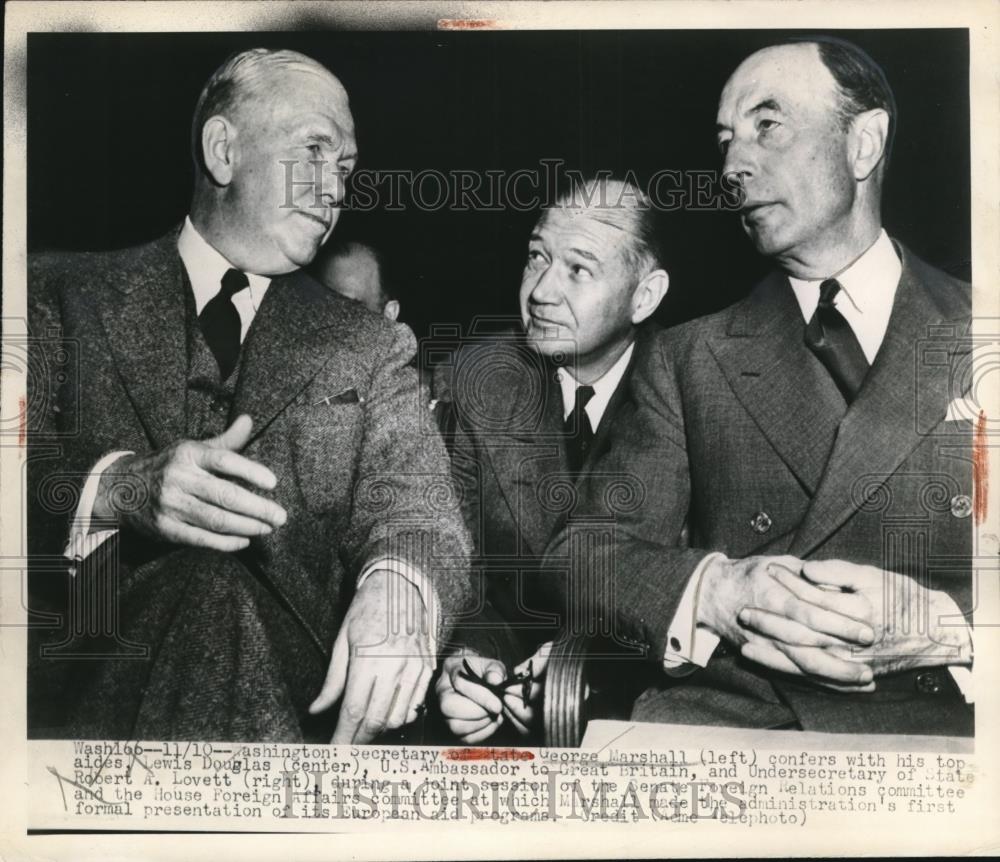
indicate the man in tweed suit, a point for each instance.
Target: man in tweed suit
{"x":825,"y":479}
{"x":533,"y":410}
{"x":246,"y":455}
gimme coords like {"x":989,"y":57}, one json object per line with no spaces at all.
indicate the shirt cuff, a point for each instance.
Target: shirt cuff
{"x":964,"y":680}
{"x":689,"y":645}
{"x":961,"y":671}
{"x":425,"y":589}
{"x":82,"y":542}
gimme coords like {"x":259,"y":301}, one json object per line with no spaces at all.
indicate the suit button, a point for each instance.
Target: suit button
{"x":761,"y":522}
{"x":961,"y":506}
{"x":220,"y":405}
{"x":928,"y":682}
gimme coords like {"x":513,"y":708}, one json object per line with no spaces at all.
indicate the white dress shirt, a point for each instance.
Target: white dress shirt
{"x":604,"y":388}
{"x":868,"y":289}
{"x":205,"y":267}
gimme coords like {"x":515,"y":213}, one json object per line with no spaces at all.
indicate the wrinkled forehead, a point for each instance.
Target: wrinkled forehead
{"x":785,"y":74}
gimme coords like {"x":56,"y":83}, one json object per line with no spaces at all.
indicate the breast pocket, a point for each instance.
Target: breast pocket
{"x":326,"y":449}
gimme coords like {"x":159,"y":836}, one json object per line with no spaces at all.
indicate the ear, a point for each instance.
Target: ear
{"x":871,"y":134}
{"x":648,"y":294}
{"x":391,"y":309}
{"x":218,"y":137}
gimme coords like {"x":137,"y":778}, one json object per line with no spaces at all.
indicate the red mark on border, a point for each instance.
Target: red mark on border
{"x":467,"y":24}
{"x":22,"y":421}
{"x":980,"y":470}
{"x":487,"y":754}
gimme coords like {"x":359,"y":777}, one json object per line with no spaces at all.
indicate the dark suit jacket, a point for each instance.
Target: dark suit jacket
{"x":358,"y":476}
{"x":509,"y":461}
{"x":738,"y":427}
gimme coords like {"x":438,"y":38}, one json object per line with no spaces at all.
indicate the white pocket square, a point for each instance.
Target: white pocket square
{"x":347,"y":396}
{"x":962,"y":409}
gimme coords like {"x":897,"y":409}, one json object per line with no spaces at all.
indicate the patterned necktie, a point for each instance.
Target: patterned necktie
{"x":220,"y":322}
{"x":831,"y":338}
{"x":578,"y":427}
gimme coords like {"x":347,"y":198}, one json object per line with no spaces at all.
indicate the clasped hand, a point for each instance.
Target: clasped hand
{"x":472,"y":711}
{"x":837,"y":623}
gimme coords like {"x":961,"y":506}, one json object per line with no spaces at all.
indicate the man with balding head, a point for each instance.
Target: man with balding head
{"x":531,"y":413}
{"x":235,"y":433}
{"x":821,"y":466}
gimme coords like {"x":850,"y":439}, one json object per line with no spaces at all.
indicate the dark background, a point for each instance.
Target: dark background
{"x":109,"y":124}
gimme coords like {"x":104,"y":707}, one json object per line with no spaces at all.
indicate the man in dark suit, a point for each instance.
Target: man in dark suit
{"x":815,"y":456}
{"x":531,"y":411}
{"x":247,"y":472}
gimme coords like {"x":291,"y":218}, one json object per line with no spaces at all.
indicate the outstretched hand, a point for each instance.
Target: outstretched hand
{"x":381,"y":664}
{"x":188,"y":494}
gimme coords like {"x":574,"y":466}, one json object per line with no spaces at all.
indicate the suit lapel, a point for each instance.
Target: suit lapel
{"x":145,"y":324}
{"x":144,"y":320}
{"x":901,"y":399}
{"x":286,"y":347}
{"x":526,"y":453}
{"x":602,"y":436}
{"x":779,"y":382}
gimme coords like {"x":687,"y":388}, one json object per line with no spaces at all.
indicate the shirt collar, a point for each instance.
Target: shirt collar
{"x":205,"y":267}
{"x":604,"y":388}
{"x":867,"y":290}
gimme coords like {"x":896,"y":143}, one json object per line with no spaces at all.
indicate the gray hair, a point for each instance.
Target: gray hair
{"x":237,"y":81}
{"x":861,"y":82}
{"x":621,"y":204}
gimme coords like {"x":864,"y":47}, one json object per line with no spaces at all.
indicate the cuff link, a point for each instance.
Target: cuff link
{"x":928,"y":682}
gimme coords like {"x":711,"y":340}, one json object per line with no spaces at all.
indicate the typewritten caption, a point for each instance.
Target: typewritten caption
{"x":315,"y":787}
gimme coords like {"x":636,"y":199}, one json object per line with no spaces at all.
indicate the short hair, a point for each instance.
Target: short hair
{"x":624,"y":205}
{"x":347,"y":247}
{"x":236,"y":82}
{"x":861,"y":83}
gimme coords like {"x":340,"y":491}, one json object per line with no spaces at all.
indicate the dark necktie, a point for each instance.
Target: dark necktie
{"x":220,"y":322}
{"x":831,"y":338}
{"x":578,"y":427}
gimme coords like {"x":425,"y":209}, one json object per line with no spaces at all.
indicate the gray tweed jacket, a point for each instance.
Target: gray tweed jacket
{"x":338,"y":417}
